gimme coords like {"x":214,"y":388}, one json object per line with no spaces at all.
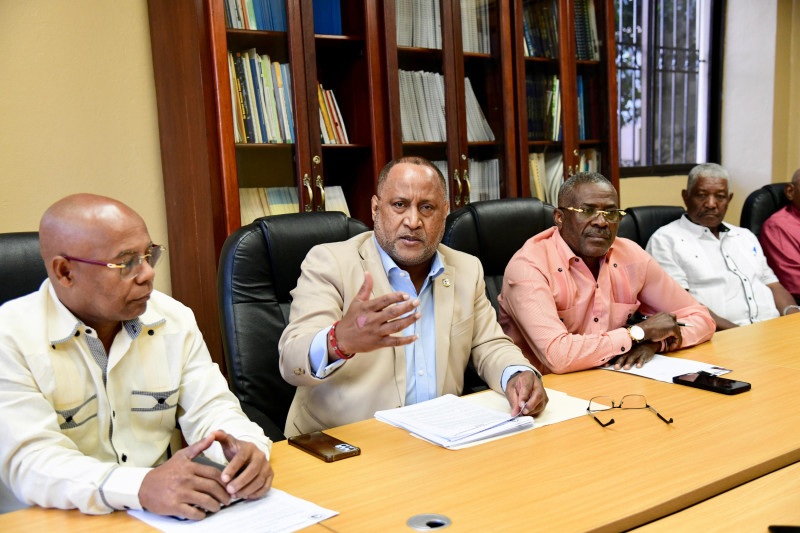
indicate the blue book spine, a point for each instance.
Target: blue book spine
{"x":258,"y":88}
{"x":287,"y":85}
{"x":278,"y":9}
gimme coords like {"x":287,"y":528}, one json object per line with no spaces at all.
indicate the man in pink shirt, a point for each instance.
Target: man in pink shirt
{"x":780,"y":240}
{"x":569,"y":292}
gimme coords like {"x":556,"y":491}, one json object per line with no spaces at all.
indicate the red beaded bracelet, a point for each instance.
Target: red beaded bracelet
{"x":332,"y":340}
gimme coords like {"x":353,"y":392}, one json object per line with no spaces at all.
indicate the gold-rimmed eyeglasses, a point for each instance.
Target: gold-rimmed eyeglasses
{"x":600,"y":404}
{"x":611,"y":215}
{"x":130,"y":267}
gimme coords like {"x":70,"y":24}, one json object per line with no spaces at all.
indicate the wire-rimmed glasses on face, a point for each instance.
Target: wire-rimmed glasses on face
{"x":600,"y":404}
{"x":130,"y":268}
{"x":611,"y":215}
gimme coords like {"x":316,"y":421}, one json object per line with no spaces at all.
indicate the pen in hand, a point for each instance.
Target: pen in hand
{"x":681,"y":324}
{"x":521,"y":402}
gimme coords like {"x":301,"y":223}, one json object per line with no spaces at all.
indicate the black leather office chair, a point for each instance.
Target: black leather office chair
{"x":21,"y":267}
{"x":641,"y":222}
{"x":760,"y":205}
{"x":259,"y":266}
{"x":493,"y":231}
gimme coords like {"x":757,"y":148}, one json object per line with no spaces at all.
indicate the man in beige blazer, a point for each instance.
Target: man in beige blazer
{"x":392,"y":317}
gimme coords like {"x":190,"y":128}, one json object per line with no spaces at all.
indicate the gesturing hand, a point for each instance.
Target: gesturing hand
{"x":180,"y":487}
{"x":369,"y":324}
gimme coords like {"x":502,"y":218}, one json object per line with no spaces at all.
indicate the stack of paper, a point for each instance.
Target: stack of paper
{"x":451,"y":421}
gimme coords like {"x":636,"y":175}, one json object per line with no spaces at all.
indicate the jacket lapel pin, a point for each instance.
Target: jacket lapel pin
{"x":446,"y":282}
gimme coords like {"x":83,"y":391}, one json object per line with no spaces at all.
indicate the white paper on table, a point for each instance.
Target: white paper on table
{"x":276,"y":512}
{"x":450,"y":421}
{"x":560,"y":405}
{"x":664,"y":368}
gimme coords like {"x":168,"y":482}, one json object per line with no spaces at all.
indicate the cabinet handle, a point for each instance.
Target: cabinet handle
{"x":570,"y":171}
{"x":458,"y":184}
{"x":575,"y":152}
{"x":469,"y":187}
{"x":321,"y":206}
{"x":310,"y":191}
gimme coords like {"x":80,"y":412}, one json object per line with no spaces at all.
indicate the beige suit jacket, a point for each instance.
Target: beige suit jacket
{"x":332,"y":274}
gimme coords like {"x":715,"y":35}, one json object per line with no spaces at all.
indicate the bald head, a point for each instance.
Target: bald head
{"x":79,"y":236}
{"x":792,"y":189}
{"x":77,"y":224}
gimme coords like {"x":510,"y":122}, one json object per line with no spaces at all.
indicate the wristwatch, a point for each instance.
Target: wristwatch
{"x":636,"y":333}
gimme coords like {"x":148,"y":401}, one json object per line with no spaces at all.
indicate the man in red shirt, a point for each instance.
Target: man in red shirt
{"x":780,"y":240}
{"x":569,"y":292}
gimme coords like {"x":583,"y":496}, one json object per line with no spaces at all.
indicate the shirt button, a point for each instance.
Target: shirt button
{"x":598,"y":285}
{"x":615,"y":265}
{"x":113,"y":414}
{"x":596,"y":319}
{"x":151,"y":332}
{"x":421,"y":372}
{"x":89,"y":331}
{"x":124,"y":458}
{"x":560,"y":269}
{"x":576,"y":259}
{"x":77,"y":333}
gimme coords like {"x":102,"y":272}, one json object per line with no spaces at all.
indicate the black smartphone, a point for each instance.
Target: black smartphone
{"x":323,"y":446}
{"x":710,"y":382}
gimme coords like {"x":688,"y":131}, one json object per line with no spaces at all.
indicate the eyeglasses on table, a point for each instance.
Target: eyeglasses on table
{"x":600,"y":404}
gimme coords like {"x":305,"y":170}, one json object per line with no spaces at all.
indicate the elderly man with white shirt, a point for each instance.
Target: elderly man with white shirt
{"x":720,"y":264}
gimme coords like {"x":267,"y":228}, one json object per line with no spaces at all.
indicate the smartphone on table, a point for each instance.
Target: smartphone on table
{"x":323,"y":446}
{"x":710,"y":382}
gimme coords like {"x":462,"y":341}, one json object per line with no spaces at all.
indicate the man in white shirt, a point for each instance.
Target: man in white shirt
{"x":720,"y":264}
{"x":98,"y":370}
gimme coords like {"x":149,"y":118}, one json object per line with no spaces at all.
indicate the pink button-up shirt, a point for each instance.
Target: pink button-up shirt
{"x":780,"y":240}
{"x":565,"y":320}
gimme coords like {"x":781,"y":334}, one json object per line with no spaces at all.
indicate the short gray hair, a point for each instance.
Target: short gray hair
{"x":707,"y":170}
{"x":565,"y":193}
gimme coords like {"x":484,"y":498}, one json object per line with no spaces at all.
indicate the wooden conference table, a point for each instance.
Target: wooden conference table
{"x":571,"y":476}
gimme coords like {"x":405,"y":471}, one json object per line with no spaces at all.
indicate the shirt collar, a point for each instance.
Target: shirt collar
{"x":437,"y":267}
{"x":62,"y":324}
{"x":696,"y":229}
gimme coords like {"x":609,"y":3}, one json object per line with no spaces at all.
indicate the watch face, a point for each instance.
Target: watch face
{"x":637,"y":333}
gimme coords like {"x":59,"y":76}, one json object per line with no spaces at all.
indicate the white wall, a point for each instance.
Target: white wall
{"x":748,"y":104}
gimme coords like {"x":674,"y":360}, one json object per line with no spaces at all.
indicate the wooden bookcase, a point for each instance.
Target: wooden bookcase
{"x":599,"y":85}
{"x":490,"y":75}
{"x":349,"y":64}
{"x":203,"y":167}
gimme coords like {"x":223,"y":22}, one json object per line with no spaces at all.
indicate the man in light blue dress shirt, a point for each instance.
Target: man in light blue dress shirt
{"x":392,"y":317}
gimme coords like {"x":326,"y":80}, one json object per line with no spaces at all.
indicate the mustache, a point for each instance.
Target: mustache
{"x":416,"y":236}
{"x":601,"y":234}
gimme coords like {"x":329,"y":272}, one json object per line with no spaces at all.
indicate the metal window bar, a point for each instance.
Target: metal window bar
{"x":665,"y":109}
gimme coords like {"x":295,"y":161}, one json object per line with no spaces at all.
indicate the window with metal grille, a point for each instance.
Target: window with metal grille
{"x":664,"y":79}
